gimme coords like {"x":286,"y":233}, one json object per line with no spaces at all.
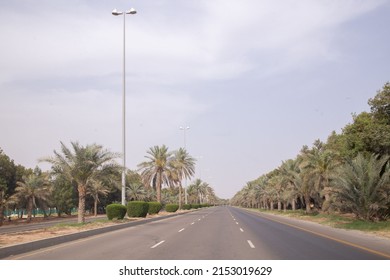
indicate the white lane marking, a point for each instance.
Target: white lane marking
{"x":251,"y":244}
{"x":181,"y":230}
{"x":198,"y":219}
{"x":158,"y":244}
{"x":237,"y":223}
{"x":241,"y":230}
{"x":192,"y":223}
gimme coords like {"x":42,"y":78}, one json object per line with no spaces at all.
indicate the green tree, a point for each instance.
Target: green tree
{"x":380,"y":105}
{"x":96,"y":189}
{"x":320,"y":164}
{"x":64,"y":195}
{"x":183,"y":166}
{"x":81,"y":165}
{"x":362,"y":186}
{"x":34,"y":190}
{"x":155,"y":171}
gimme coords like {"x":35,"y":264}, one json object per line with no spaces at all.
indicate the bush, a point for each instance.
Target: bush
{"x":116,"y":211}
{"x":186,"y":206}
{"x":154,"y":207}
{"x":137,"y":209}
{"x":195,"y":206}
{"x":171,"y":207}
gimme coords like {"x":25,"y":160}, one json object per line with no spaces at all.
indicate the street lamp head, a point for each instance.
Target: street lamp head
{"x":132,"y":11}
{"x":115,"y":12}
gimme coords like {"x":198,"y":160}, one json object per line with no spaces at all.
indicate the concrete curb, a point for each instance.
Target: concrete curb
{"x":12,"y":250}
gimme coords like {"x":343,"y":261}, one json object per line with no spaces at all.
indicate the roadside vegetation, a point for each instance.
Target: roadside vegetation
{"x":86,"y":179}
{"x":347,"y":174}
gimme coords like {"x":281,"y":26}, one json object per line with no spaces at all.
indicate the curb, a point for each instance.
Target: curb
{"x":44,"y":243}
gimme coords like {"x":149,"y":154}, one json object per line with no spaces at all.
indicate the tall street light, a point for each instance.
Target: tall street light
{"x":115,"y":12}
{"x":185,"y":184}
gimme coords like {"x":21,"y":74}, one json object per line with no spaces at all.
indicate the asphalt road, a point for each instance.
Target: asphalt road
{"x":220,"y":233}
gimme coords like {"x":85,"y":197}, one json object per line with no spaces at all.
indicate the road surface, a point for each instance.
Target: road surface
{"x":220,"y":233}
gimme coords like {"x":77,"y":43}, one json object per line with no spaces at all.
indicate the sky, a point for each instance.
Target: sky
{"x":254,"y":80}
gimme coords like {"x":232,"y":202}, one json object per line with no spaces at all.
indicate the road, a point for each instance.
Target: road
{"x":220,"y":233}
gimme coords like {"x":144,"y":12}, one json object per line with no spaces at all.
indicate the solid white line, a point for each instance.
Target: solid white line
{"x":181,"y":230}
{"x":241,"y":230}
{"x":251,"y":244}
{"x":159,"y":243}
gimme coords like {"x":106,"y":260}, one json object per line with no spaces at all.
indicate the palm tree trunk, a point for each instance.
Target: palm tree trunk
{"x":293,"y":204}
{"x":180,"y":198}
{"x":81,"y":210}
{"x":29,"y":209}
{"x":95,"y":203}
{"x":158,"y":187}
{"x":2,"y":194}
{"x":307,"y":202}
{"x":1,"y":214}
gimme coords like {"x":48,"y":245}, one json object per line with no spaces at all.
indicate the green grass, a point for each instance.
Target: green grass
{"x":367,"y":226}
{"x":81,"y":225}
{"x":334,"y":220}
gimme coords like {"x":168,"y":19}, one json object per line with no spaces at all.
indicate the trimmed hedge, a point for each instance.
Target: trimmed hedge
{"x":116,"y":211}
{"x":195,"y":206}
{"x":154,"y":207}
{"x":171,"y":207}
{"x":137,"y":209}
{"x":186,"y":206}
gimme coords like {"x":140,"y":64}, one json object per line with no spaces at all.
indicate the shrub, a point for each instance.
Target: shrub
{"x":154,"y":207}
{"x":137,"y":209}
{"x":171,"y":207}
{"x":116,"y":211}
{"x":195,"y":206}
{"x":186,"y":206}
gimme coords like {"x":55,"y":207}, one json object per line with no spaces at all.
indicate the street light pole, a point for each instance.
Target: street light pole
{"x":185,"y":183}
{"x":115,"y":12}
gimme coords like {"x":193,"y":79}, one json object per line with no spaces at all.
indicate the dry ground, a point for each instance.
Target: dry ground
{"x":8,"y":239}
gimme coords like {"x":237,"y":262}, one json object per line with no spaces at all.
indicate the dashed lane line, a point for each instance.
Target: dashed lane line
{"x":158,"y":244}
{"x":251,"y":244}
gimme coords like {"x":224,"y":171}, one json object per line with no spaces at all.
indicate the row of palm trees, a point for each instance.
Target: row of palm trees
{"x":93,"y":171}
{"x":320,"y":180}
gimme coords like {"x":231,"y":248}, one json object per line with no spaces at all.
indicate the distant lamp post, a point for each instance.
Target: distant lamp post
{"x":185,"y":184}
{"x":115,"y":12}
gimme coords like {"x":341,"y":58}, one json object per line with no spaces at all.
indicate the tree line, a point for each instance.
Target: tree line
{"x":88,"y":176}
{"x":349,"y":173}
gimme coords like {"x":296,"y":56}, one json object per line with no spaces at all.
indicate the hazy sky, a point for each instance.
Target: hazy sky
{"x":255,"y":80}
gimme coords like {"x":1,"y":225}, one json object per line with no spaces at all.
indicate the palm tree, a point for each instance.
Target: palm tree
{"x":136,"y":191}
{"x":155,"y":171}
{"x":362,"y":186}
{"x":95,"y":189}
{"x":199,"y":188}
{"x":320,"y":164}
{"x":33,"y":189}
{"x":82,"y":165}
{"x":183,"y":167}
